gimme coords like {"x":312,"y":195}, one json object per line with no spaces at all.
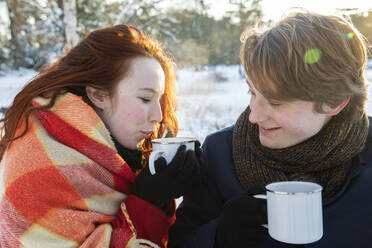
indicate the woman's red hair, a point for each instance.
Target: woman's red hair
{"x":99,"y":60}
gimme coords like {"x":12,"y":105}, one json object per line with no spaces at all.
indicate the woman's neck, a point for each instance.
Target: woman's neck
{"x":132,"y":157}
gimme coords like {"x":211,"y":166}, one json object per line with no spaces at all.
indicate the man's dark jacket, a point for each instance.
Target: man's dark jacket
{"x":347,"y":216}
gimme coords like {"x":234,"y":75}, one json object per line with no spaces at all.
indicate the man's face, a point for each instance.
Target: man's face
{"x":284,"y":124}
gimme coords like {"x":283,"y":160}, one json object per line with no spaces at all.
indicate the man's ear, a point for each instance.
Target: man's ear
{"x":97,"y":96}
{"x":334,"y":111}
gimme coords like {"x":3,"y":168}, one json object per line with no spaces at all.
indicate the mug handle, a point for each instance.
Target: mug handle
{"x":260,"y":196}
{"x":265,"y":198}
{"x":154,"y":155}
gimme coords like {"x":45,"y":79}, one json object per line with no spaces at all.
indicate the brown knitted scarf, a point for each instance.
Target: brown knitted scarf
{"x":325,"y":158}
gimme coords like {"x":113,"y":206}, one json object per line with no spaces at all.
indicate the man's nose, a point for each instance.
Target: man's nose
{"x":258,"y":110}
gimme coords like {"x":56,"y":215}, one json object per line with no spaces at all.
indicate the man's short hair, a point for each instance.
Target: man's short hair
{"x":310,"y":57}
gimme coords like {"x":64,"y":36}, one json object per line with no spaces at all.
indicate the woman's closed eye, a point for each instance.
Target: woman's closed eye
{"x":145,"y":99}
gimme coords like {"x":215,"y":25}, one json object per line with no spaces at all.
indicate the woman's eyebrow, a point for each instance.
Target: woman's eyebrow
{"x":150,"y":90}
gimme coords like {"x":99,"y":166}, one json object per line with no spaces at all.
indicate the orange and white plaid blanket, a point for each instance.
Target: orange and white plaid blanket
{"x":62,"y":184}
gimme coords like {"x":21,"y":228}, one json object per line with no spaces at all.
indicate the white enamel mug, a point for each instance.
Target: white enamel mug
{"x":167,"y":148}
{"x":294,"y":211}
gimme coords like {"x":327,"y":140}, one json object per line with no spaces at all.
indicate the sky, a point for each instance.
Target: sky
{"x":273,"y":9}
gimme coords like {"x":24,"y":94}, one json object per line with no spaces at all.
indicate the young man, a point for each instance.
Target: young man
{"x":306,"y":121}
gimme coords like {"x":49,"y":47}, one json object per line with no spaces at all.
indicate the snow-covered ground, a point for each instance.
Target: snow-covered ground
{"x":206,"y":102}
{"x":11,"y":83}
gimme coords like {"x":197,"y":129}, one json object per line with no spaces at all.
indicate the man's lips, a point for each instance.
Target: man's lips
{"x":269,"y":130}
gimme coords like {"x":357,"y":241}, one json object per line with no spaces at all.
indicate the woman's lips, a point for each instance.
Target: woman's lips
{"x":147,"y":134}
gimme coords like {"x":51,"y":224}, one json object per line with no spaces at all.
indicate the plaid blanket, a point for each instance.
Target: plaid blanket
{"x":62,"y":184}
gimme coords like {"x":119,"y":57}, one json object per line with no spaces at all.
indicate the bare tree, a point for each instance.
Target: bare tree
{"x":70,"y":20}
{"x":132,"y":8}
{"x":13,"y":19}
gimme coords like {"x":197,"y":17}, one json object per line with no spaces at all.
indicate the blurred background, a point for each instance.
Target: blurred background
{"x":202,"y":35}
{"x":197,"y":32}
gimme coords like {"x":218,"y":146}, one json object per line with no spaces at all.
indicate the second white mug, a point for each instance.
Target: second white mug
{"x":294,"y":211}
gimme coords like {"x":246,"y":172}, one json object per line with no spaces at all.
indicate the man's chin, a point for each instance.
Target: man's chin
{"x":270,"y":144}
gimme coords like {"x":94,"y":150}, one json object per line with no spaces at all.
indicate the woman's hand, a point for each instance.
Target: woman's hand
{"x":170,"y":181}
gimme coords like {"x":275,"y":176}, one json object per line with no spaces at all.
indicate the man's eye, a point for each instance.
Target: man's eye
{"x":275,"y":104}
{"x":250,"y":92}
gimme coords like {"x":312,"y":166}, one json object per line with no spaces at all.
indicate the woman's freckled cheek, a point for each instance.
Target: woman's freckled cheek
{"x":137,"y":112}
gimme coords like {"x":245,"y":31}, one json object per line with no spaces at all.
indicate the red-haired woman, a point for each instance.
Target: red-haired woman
{"x":75,"y":142}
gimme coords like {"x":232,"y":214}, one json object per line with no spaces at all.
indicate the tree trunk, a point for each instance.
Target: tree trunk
{"x":60,"y":5}
{"x":14,"y":42}
{"x":70,"y":19}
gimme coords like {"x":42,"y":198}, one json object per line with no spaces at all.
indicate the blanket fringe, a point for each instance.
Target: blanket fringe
{"x":142,"y":243}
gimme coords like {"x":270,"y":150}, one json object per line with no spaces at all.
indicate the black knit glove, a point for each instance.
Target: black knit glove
{"x":241,"y":222}
{"x":198,"y":152}
{"x":170,"y":181}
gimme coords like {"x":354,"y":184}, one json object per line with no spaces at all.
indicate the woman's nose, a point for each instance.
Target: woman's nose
{"x":156,"y":114}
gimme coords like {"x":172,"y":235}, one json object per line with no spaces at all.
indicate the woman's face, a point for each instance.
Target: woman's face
{"x":284,"y":124}
{"x":133,"y":110}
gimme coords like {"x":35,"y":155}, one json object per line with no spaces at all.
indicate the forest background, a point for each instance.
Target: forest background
{"x":35,"y":32}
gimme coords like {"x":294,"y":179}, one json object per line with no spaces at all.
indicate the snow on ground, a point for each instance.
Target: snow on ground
{"x":11,"y":83}
{"x":206,"y":105}
{"x":209,"y":100}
